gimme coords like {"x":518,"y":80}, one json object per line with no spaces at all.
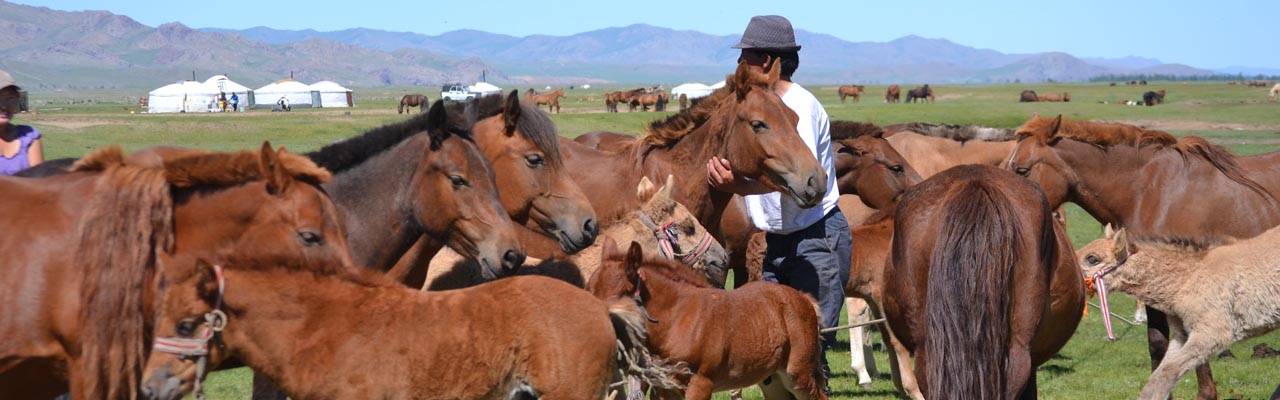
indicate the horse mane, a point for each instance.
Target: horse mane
{"x":842,"y":130}
{"x":1197,"y":246}
{"x":666,"y":132}
{"x":208,"y":169}
{"x":292,"y":265}
{"x":533,"y":123}
{"x":960,"y":133}
{"x":351,"y":152}
{"x":1110,"y":134}
{"x":675,"y":271}
{"x":129,"y":218}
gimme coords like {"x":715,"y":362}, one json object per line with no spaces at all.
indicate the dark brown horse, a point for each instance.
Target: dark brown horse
{"x":697,"y":325}
{"x":82,"y":310}
{"x":854,"y":91}
{"x":327,"y":333}
{"x":1028,"y":96}
{"x":1098,"y":165}
{"x":893,"y":94}
{"x":409,"y":101}
{"x":993,"y":231}
{"x":551,"y":99}
{"x":921,"y":94}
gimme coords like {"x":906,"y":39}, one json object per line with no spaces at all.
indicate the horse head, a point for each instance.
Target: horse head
{"x":870,"y":168}
{"x":1035,"y":158}
{"x":666,"y":227}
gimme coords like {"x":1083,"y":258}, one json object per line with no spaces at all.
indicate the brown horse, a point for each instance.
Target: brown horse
{"x":893,"y":94}
{"x":982,"y":225}
{"x":764,"y":147}
{"x":920,"y":93}
{"x":409,"y":101}
{"x":605,"y":141}
{"x":1097,"y":166}
{"x":1028,"y":96}
{"x":551,"y":99}
{"x":696,"y":324}
{"x":657,"y":100}
{"x":83,"y":309}
{"x":854,"y":91}
{"x":420,"y":177}
{"x":1054,"y":97}
{"x":368,"y":337}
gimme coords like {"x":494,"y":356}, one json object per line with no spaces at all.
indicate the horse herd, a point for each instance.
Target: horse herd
{"x":891,"y":95}
{"x":146,"y":271}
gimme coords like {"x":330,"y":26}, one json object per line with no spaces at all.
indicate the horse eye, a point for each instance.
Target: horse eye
{"x":534,"y":160}
{"x":1024,"y":171}
{"x":896,"y":168}
{"x":310,"y":238}
{"x":1092,"y":260}
{"x":459,"y":181}
{"x":186,"y":328}
{"x":758,"y":125}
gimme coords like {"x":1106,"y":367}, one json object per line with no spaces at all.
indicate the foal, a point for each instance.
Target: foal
{"x":1212,"y":297}
{"x":328,"y":333}
{"x":697,"y":325}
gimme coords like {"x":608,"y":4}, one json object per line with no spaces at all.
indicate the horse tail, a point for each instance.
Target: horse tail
{"x":967,"y":306}
{"x":634,"y":358}
{"x":128,"y":220}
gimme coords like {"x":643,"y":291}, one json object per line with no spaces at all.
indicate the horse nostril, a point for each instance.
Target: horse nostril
{"x":591,"y":228}
{"x":512,"y":259}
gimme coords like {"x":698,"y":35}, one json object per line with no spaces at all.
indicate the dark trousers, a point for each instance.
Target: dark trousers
{"x":815,"y":261}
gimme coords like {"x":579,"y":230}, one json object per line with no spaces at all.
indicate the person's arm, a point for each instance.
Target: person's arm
{"x":720,"y":176}
{"x":35,"y":153}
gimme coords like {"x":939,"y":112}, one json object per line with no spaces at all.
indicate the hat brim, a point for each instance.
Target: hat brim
{"x":746,"y":46}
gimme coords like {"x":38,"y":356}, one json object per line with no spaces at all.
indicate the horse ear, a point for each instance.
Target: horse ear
{"x":437,"y":121}
{"x":272,"y":170}
{"x":1120,"y":244}
{"x":609,"y":249}
{"x":207,"y":279}
{"x":668,"y":187}
{"x":1054,"y":127}
{"x":1108,"y":232}
{"x":511,"y":113}
{"x":635,"y":258}
{"x":738,"y":81}
{"x":646,"y":189}
{"x":775,"y":71}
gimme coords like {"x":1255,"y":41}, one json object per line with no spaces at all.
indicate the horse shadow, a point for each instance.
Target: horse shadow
{"x":466,"y":273}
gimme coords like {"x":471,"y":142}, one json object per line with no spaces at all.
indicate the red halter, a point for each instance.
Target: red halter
{"x":214,"y":321}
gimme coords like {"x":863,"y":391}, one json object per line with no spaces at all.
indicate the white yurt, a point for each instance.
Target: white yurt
{"x":332,"y":95}
{"x":185,"y":96}
{"x":717,"y":85}
{"x":691,"y":90}
{"x":484,"y":89}
{"x":298,"y":93}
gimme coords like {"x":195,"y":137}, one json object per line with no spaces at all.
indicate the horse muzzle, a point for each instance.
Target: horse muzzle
{"x":162,"y":385}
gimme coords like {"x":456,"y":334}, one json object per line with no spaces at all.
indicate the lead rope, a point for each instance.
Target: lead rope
{"x":214,"y":320}
{"x":1101,"y":286}
{"x":667,"y":237}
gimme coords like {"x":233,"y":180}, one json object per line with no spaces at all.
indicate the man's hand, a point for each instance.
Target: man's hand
{"x":720,"y":174}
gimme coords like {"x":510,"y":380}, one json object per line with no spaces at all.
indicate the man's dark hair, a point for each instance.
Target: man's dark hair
{"x":790,"y":59}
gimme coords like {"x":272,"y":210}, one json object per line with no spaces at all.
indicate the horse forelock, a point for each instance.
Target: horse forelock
{"x":351,"y":152}
{"x":533,"y":123}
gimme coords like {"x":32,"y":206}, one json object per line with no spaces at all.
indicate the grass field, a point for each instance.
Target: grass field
{"x":1089,"y":367}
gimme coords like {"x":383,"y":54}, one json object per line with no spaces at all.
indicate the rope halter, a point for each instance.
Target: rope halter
{"x":668,"y":238}
{"x":214,"y":321}
{"x":1101,"y":286}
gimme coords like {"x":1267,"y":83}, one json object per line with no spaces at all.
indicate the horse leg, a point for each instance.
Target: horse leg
{"x":1140,"y":312}
{"x":699,"y":388}
{"x":904,"y":376}
{"x":265,"y":389}
{"x":1018,"y":369}
{"x":1157,"y":345}
{"x":1194,"y":349}
{"x":859,"y":352}
{"x":1029,"y":391}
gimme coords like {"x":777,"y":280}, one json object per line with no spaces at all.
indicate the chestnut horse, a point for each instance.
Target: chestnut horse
{"x":1098,"y":165}
{"x":420,"y":177}
{"x":369,"y":337}
{"x":893,"y":94}
{"x":656,"y":99}
{"x":82,"y":307}
{"x":987,"y":227}
{"x":551,"y":99}
{"x":409,"y":101}
{"x":854,"y":91}
{"x":696,"y":324}
{"x":1054,"y":97}
{"x":764,"y":147}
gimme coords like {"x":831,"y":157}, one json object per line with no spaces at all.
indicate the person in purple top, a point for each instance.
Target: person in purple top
{"x":20,"y":146}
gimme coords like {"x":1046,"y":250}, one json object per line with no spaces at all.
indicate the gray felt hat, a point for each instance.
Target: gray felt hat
{"x":769,"y":32}
{"x":6,"y":80}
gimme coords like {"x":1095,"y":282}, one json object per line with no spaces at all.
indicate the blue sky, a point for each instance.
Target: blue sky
{"x":1205,"y":34}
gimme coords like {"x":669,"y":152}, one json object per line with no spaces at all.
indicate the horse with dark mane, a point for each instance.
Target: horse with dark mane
{"x":1151,"y":98}
{"x":921,"y":93}
{"x":854,"y":91}
{"x":995,"y":232}
{"x":1028,"y":96}
{"x":892,"y":94}
{"x":80,"y":318}
{"x":1097,"y":165}
{"x":409,"y":101}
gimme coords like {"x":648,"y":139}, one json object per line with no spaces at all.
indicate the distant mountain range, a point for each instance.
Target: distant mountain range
{"x":101,"y":49}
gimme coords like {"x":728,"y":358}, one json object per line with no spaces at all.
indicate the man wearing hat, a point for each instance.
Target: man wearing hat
{"x":20,"y":146}
{"x":807,"y":249}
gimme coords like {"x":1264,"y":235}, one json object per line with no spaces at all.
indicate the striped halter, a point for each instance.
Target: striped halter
{"x":668,"y":237}
{"x":214,"y":321}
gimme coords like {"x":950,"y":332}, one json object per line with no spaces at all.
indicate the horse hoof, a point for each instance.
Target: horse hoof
{"x":866,"y":386}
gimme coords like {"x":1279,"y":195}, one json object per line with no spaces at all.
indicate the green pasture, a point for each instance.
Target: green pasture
{"x":1090,"y":367}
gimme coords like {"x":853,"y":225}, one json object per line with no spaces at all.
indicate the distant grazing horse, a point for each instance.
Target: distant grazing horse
{"x":1097,"y":165}
{"x":1275,"y":92}
{"x":1028,"y":96}
{"x":410,"y":101}
{"x":698,"y":325}
{"x":684,"y":101}
{"x":854,"y":91}
{"x":1150,"y":98}
{"x":892,"y":95}
{"x":79,"y":316}
{"x":994,"y":231}
{"x":551,"y":99}
{"x":1054,"y":97}
{"x":657,"y":100}
{"x":1214,"y":297}
{"x":520,"y":337}
{"x":921,"y":93}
